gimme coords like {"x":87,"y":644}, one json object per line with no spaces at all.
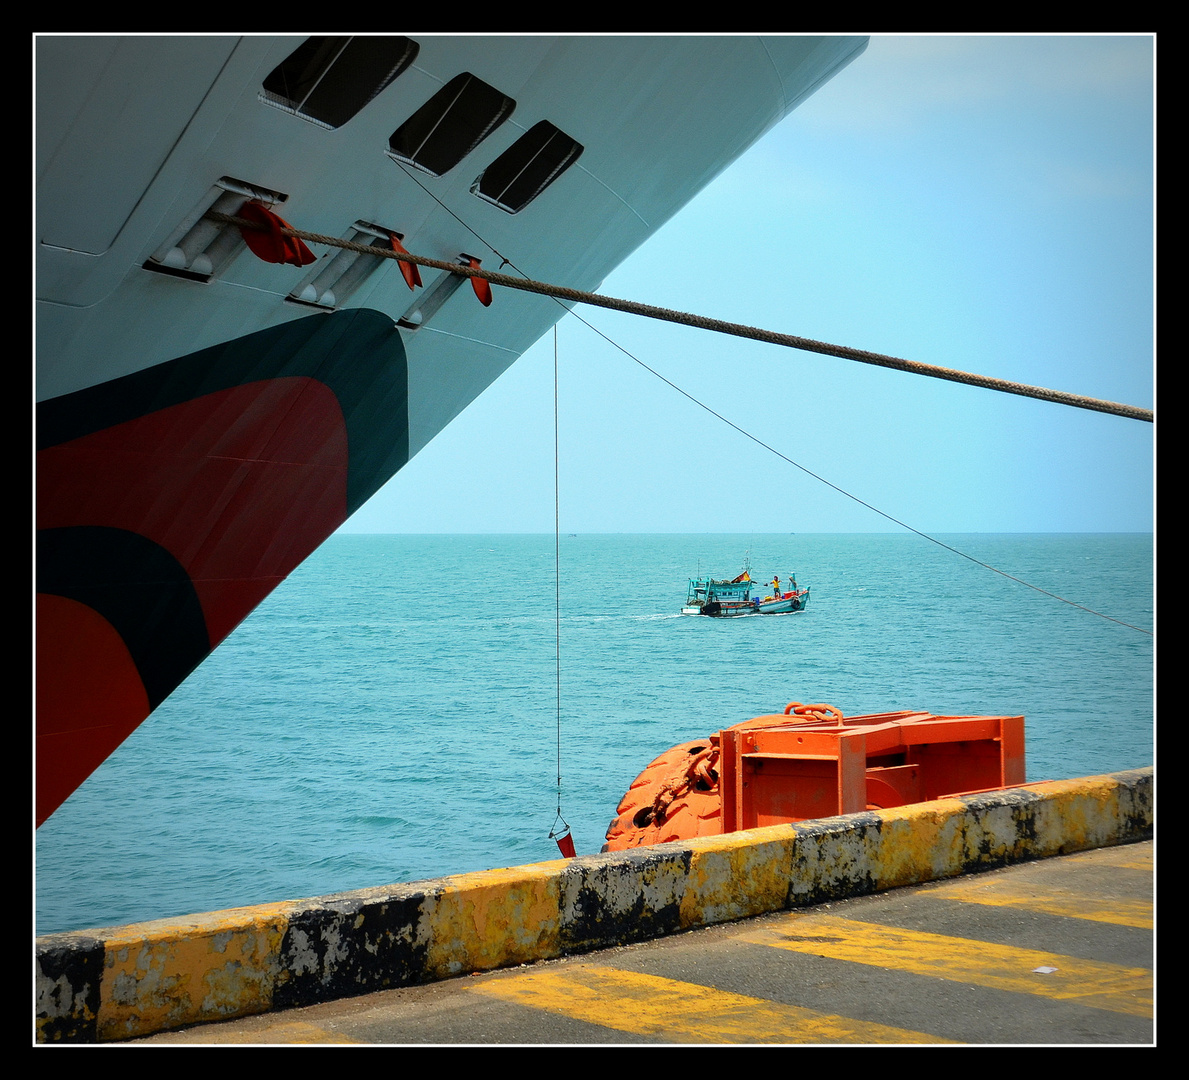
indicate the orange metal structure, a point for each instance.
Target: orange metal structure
{"x":769,"y":774}
{"x":813,"y":762}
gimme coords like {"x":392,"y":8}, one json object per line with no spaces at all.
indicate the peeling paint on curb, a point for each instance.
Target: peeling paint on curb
{"x":124,"y":982}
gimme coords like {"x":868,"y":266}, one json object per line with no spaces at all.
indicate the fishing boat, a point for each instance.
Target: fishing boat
{"x":216,"y":396}
{"x":722,"y":599}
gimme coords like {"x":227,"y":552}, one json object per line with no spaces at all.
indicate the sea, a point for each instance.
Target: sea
{"x":403,"y":706}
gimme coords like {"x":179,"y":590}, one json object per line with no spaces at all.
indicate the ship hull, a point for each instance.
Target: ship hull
{"x":205,"y":420}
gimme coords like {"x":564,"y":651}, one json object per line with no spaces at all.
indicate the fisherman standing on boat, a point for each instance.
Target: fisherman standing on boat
{"x":775,"y":588}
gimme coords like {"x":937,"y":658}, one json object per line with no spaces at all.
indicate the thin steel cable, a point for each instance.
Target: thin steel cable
{"x":842,"y":491}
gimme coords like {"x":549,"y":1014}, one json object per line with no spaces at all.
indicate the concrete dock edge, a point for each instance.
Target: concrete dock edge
{"x":123,"y":982}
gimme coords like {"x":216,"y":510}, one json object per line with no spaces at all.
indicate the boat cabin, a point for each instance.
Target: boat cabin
{"x":706,"y":590}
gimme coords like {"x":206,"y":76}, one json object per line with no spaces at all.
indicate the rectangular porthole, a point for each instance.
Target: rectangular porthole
{"x":327,"y":80}
{"x":527,"y":167}
{"x":450,"y":125}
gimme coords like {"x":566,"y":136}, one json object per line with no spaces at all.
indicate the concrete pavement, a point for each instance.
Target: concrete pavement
{"x":128,"y":982}
{"x":1057,"y":951}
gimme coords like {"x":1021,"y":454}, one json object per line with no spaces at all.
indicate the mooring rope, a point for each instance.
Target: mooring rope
{"x":719,"y":326}
{"x":559,"y":294}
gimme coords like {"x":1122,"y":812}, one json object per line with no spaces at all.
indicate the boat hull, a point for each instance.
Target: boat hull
{"x":782,"y":607}
{"x":732,"y":609}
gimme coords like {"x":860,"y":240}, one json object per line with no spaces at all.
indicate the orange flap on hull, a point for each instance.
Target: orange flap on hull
{"x":271,"y":244}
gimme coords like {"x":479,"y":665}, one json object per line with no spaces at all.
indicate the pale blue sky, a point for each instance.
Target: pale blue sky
{"x":982,"y":203}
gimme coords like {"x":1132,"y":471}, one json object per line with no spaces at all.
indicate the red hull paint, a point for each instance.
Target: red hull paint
{"x":236,"y":486}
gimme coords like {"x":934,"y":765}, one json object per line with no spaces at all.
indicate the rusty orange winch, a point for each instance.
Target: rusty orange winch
{"x":813,"y":762}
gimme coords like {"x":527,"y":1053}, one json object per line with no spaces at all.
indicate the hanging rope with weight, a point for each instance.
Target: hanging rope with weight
{"x":561,"y":829}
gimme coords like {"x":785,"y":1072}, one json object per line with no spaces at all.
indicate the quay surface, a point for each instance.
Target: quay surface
{"x":1016,"y":917}
{"x":1055,"y":952}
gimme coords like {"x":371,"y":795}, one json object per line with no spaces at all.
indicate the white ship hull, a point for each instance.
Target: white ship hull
{"x":206,"y":418}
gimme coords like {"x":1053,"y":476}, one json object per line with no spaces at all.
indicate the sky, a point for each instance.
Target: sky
{"x":980,"y":203}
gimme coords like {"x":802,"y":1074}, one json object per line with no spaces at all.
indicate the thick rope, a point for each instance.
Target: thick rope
{"x":791,"y":341}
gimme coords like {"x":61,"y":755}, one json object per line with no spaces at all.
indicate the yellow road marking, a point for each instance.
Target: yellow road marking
{"x":296,"y":1032}
{"x":681,"y":1012}
{"x":1014,"y":892}
{"x":278,"y":1032}
{"x":1125,"y":856}
{"x":1003,"y":967}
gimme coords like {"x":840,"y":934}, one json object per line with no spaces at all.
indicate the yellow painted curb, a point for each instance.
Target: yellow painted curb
{"x":123,"y":982}
{"x":212,"y":967}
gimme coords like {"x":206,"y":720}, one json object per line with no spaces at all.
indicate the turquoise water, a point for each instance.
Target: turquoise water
{"x":390,"y":713}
